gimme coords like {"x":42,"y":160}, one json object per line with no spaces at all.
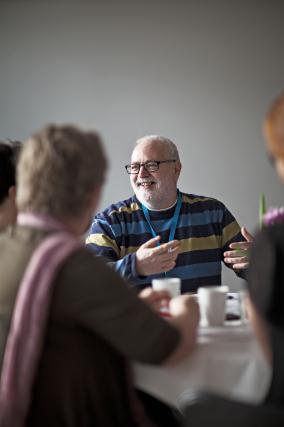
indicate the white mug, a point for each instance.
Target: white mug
{"x":243,"y":295}
{"x":171,"y":284}
{"x":212,"y":304}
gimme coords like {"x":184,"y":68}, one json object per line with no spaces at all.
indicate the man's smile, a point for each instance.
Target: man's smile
{"x":146,"y":183}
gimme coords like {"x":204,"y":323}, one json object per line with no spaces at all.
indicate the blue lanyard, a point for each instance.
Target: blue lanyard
{"x":174,"y":220}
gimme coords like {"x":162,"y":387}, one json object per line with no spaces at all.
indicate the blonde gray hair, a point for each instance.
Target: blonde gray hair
{"x":58,"y":169}
{"x":169,"y":145}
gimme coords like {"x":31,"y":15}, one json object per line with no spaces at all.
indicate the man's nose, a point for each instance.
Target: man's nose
{"x":143,"y":171}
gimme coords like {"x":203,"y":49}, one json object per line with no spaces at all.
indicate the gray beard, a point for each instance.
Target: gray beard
{"x":155,"y":205}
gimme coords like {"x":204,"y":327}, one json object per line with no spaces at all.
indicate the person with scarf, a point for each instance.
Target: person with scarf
{"x":69,"y":325}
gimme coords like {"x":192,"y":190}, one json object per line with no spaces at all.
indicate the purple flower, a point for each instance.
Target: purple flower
{"x":274,"y":216}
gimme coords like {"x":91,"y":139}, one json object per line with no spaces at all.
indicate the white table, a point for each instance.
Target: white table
{"x":227,"y":360}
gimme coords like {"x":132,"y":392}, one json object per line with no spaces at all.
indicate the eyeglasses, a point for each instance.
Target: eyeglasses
{"x":150,"y":166}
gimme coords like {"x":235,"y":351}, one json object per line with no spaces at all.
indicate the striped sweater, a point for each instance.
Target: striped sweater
{"x":205,"y":229}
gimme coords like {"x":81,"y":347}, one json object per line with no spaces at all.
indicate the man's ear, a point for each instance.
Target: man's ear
{"x":12,"y":193}
{"x":178,"y":167}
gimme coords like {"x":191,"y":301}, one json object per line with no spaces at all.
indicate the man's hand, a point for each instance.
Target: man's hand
{"x":239,"y":257}
{"x":155,"y":299}
{"x":153,"y":259}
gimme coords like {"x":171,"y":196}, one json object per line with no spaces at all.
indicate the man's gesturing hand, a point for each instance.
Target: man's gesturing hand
{"x":239,"y":256}
{"x":153,"y":259}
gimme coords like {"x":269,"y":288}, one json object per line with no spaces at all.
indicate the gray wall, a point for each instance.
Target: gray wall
{"x":200,"y":72}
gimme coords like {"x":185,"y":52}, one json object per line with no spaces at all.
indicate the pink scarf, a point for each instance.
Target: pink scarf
{"x":28,"y":324}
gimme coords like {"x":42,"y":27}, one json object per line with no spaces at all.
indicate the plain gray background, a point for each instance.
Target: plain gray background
{"x":201,"y":72}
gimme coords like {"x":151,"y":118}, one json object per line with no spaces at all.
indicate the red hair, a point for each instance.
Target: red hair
{"x":274,"y":128}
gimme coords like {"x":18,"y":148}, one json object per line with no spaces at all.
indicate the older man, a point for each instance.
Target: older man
{"x":162,"y":232}
{"x":68,"y":323}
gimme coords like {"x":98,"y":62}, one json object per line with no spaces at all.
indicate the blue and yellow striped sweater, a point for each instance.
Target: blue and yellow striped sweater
{"x":205,"y":229}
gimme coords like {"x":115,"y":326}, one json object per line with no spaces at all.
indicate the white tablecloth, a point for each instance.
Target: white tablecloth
{"x":227,"y":360}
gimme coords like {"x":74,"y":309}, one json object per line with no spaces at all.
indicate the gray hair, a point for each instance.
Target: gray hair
{"x":59,"y":167}
{"x":170,"y":146}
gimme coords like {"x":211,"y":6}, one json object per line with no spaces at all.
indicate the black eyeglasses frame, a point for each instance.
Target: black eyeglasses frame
{"x":156,"y":168}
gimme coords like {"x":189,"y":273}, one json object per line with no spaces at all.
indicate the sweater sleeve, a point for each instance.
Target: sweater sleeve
{"x":102,"y":241}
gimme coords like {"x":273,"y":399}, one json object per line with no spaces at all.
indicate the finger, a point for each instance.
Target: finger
{"x":175,"y":243}
{"x":238,"y":253}
{"x":152,"y":243}
{"x":146,"y":292}
{"x":247,"y":235}
{"x":166,"y":249}
{"x":236,"y":260}
{"x":168,"y":256}
{"x":174,"y":251}
{"x":170,"y":246}
{"x":240,"y":245}
{"x":241,"y":266}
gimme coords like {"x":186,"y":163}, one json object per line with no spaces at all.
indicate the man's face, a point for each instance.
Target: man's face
{"x":157,"y":189}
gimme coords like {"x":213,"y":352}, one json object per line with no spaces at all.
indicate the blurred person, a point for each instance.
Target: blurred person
{"x":8,"y":156}
{"x":265,"y":305}
{"x":266,"y":275}
{"x":69,"y":325}
{"x":161,"y":231}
